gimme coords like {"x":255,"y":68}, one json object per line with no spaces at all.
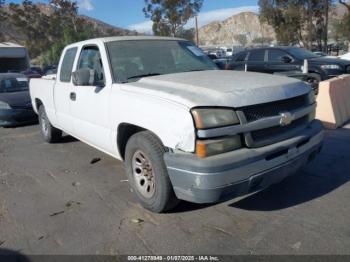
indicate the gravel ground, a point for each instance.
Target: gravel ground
{"x":54,"y":201}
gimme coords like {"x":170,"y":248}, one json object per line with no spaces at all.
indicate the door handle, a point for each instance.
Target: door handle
{"x":73,"y":96}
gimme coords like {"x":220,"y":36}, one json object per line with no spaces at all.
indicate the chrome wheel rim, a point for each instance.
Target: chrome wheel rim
{"x":143,"y":174}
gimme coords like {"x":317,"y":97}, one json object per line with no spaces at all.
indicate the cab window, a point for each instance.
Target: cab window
{"x":67,"y":65}
{"x":90,"y":58}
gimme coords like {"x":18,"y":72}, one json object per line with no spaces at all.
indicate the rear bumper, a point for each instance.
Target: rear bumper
{"x":242,"y":171}
{"x":13,"y":117}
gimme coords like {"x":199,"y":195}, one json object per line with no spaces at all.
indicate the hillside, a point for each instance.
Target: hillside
{"x":11,"y":33}
{"x":246,"y":23}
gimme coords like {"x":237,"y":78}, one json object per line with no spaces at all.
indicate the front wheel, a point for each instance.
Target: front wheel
{"x":147,"y":173}
{"x":49,"y":132}
{"x":314,"y":80}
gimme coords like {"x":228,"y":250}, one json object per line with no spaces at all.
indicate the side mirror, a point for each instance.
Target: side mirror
{"x":286,"y":59}
{"x":86,"y":77}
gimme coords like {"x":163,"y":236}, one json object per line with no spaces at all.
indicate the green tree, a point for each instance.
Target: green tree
{"x":2,"y":19}
{"x":188,"y":34}
{"x":297,"y":21}
{"x":31,"y":23}
{"x":341,"y":27}
{"x":263,"y":40}
{"x":170,"y":16}
{"x":241,"y":39}
{"x":47,"y":34}
{"x":67,"y":11}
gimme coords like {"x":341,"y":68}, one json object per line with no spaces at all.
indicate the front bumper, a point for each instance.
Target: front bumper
{"x":242,"y":171}
{"x":13,"y":117}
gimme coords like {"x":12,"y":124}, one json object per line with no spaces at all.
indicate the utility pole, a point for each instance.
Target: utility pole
{"x":197,"y":31}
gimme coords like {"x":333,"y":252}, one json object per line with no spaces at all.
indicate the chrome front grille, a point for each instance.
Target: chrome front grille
{"x":270,"y":135}
{"x":254,"y":113}
{"x":264,"y":136}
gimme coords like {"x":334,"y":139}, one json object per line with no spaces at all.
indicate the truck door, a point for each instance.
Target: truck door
{"x":90,"y":103}
{"x":63,"y":89}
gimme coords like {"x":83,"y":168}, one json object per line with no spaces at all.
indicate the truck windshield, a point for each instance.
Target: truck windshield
{"x":133,"y":60}
{"x":10,"y":85}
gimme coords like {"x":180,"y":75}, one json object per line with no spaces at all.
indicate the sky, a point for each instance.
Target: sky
{"x":128,"y":13}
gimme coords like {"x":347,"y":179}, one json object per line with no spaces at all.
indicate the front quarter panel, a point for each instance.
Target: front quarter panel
{"x":170,"y":121}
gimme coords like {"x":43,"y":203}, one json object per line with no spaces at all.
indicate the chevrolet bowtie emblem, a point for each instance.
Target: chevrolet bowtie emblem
{"x":286,"y":119}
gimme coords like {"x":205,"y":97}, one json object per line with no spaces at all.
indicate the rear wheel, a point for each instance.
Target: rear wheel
{"x":49,"y":132}
{"x":147,"y":173}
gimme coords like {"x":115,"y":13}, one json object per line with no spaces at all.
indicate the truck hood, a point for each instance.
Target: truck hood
{"x":219,"y":88}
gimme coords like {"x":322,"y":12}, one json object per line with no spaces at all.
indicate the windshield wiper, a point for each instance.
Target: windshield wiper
{"x":144,"y":75}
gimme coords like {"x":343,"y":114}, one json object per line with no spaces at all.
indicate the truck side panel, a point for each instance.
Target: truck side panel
{"x":41,"y":91}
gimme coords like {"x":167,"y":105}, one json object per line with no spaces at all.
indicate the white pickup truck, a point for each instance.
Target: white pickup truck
{"x":185,"y":130}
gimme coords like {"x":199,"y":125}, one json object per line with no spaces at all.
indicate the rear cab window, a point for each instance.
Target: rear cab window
{"x":67,"y":65}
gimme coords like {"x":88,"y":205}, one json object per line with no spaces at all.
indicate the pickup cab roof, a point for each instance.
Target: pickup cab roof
{"x":124,"y":38}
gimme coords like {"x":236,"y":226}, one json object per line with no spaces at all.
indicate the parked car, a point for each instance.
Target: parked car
{"x":184,"y":129}
{"x":219,"y":53}
{"x":212,"y":56}
{"x":15,"y":104}
{"x":229,"y":52}
{"x":222,"y":63}
{"x":33,"y":72}
{"x":280,"y":59}
{"x":50,"y":70}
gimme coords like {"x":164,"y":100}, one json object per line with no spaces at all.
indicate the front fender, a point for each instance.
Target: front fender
{"x":171,"y":122}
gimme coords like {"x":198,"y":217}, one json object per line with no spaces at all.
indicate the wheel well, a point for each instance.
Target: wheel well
{"x":38,"y":103}
{"x":317,"y":73}
{"x":125,"y":131}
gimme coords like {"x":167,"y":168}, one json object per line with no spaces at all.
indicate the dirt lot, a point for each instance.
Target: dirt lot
{"x":54,"y":201}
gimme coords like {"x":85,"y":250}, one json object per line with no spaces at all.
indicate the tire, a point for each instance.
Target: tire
{"x":147,"y":173}
{"x":314,"y":79}
{"x":49,"y":132}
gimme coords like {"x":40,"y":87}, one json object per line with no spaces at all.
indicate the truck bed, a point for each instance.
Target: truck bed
{"x":41,"y":91}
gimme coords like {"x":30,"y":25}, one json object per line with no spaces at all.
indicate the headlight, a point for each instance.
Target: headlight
{"x":312,"y":115}
{"x":334,"y":67}
{"x":206,"y":148}
{"x":312,"y":100}
{"x":4,"y":105}
{"x":212,"y":117}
